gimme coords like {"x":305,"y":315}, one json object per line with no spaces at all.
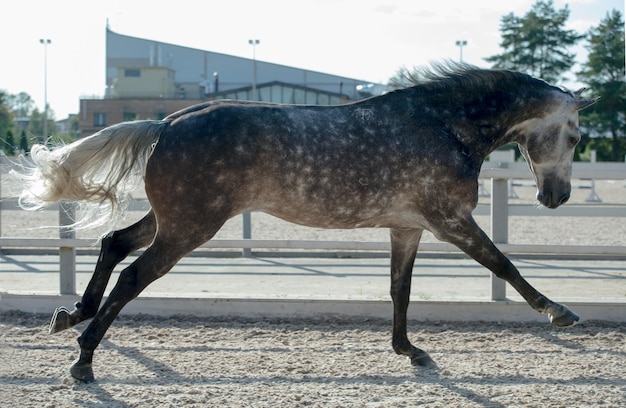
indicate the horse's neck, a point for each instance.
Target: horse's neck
{"x":480,"y":138}
{"x":483,"y":135}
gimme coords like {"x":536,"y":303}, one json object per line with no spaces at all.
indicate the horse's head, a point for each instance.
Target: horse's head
{"x":548,"y":141}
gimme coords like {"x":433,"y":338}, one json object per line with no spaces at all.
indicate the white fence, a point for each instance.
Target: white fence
{"x":499,"y":210}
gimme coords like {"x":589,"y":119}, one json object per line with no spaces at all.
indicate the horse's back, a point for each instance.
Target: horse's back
{"x":337,"y":166}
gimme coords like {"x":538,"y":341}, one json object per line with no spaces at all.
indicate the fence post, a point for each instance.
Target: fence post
{"x":247,"y":233}
{"x":1,"y":200}
{"x":499,"y":228}
{"x":593,"y":196}
{"x":67,"y":255}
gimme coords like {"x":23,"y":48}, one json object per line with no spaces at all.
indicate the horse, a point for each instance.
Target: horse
{"x":407,"y":160}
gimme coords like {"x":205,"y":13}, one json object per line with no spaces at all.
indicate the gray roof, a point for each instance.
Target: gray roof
{"x":194,"y":66}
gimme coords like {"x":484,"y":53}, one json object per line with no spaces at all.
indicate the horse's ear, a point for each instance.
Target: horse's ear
{"x":584,"y":103}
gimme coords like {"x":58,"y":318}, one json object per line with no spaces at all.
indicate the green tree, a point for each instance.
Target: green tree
{"x":6,"y":122}
{"x":9,"y":144}
{"x":23,"y":142}
{"x":537,"y":43}
{"x":35,"y":125}
{"x":21,"y":104}
{"x":604,"y":73}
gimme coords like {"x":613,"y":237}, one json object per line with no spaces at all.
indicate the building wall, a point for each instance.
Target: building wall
{"x":96,"y":114}
{"x":145,"y":82}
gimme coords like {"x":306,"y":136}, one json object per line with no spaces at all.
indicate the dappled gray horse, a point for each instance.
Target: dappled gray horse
{"x":408,"y":160}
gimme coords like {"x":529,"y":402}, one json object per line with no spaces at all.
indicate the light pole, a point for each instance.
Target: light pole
{"x":247,"y":217}
{"x":254,"y":43}
{"x":461,"y":44}
{"x":45,"y":42}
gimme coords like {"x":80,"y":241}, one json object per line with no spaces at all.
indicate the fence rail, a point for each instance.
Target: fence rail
{"x":499,"y":210}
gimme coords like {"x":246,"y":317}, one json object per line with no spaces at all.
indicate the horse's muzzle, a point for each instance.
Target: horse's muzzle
{"x":552,"y":200}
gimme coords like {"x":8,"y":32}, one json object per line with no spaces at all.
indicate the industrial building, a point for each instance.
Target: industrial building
{"x":147,"y":79}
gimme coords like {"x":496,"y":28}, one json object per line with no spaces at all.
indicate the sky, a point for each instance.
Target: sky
{"x":363,"y":39}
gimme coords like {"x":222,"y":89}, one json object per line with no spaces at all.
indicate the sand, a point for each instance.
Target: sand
{"x":146,"y":361}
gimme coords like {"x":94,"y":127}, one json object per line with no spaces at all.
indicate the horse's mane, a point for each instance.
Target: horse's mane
{"x":443,"y":75}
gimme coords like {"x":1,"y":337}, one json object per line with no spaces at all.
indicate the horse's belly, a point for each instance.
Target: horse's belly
{"x":342,"y":217}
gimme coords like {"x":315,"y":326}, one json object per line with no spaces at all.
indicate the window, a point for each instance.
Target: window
{"x":132,"y":73}
{"x":128,"y":116}
{"x":310,"y":97}
{"x":298,"y":96}
{"x":99,"y":119}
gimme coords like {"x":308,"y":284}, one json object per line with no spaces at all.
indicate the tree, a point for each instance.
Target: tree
{"x":23,"y":142}
{"x":537,"y":43}
{"x":35,"y":124}
{"x":9,"y":144}
{"x":6,"y":122}
{"x":604,"y":73}
{"x":21,"y":104}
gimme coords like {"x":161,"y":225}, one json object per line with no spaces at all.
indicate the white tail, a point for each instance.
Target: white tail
{"x":98,"y":171}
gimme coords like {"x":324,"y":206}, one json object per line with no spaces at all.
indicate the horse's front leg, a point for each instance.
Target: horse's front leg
{"x":404,"y":245}
{"x":114,"y":248}
{"x":467,"y":235}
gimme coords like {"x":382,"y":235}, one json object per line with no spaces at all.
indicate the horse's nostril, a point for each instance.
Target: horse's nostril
{"x":564,"y":198}
{"x":540,"y":197}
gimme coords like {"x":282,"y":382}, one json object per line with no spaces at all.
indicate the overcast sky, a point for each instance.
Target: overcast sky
{"x":364,"y":39}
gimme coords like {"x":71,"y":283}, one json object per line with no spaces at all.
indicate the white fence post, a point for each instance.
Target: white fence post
{"x":67,"y":255}
{"x":247,"y":232}
{"x":499,"y":228}
{"x":593,"y":196}
{"x":499,"y":158}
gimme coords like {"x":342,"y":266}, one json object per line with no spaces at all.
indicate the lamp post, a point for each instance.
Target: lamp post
{"x":247,"y":217}
{"x":254,"y":43}
{"x":461,"y":44}
{"x":45,"y":42}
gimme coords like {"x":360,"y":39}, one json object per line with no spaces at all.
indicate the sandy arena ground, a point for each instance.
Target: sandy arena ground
{"x":192,"y":362}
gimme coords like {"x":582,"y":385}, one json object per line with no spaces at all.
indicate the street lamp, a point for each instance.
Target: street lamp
{"x":45,"y":43}
{"x":247,"y":217}
{"x":254,"y":43}
{"x":461,"y":44}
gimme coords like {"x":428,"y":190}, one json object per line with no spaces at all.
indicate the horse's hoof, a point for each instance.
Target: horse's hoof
{"x":561,"y":316}
{"x":60,"y":320}
{"x":82,"y":372}
{"x":422,"y":359}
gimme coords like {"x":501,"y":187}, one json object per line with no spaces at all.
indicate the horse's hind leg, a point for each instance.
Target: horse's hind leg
{"x":166,"y":250}
{"x":404,"y":245}
{"x":115,"y":247}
